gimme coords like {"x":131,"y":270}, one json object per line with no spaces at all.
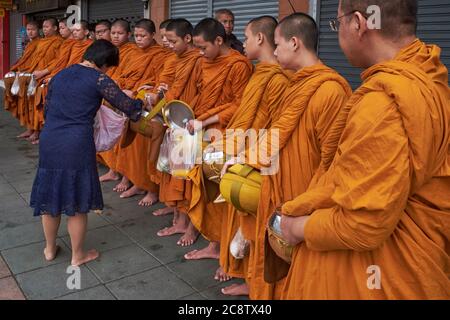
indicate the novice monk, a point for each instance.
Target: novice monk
{"x":25,"y":64}
{"x":310,"y":107}
{"x":376,"y":226}
{"x":80,"y":32}
{"x":63,"y":52}
{"x":260,"y":106}
{"x":120,"y":35}
{"x":103,"y":30}
{"x":45,"y":54}
{"x":187,"y":73}
{"x":225,"y":74}
{"x":132,"y":160}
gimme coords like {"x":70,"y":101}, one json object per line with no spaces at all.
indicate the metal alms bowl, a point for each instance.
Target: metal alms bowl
{"x":281,"y":248}
{"x":177,"y":114}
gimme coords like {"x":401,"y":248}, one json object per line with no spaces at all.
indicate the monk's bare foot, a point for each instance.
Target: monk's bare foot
{"x":110,"y":176}
{"x":149,"y":200}
{"x":33,"y":137}
{"x":178,"y":228}
{"x":123,"y":186}
{"x":163,"y":212}
{"x":26,"y":134}
{"x":85,"y":258}
{"x":189,"y":238}
{"x":35,"y":142}
{"x":210,"y":252}
{"x":222,"y":276}
{"x":133,"y":191}
{"x":51,"y":253}
{"x":236,"y":290}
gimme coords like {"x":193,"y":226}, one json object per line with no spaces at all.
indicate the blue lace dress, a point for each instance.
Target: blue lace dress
{"x":67,"y":180}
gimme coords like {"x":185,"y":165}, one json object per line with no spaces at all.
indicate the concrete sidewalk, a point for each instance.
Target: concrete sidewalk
{"x":134,"y":262}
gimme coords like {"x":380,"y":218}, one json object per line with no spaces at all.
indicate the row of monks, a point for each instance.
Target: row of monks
{"x":363,"y":182}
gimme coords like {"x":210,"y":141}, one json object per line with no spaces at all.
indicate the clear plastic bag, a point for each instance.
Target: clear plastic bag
{"x":108,"y":128}
{"x":32,"y":87}
{"x":16,"y":86}
{"x":164,"y":152}
{"x":183,"y":153}
{"x":239,"y":247}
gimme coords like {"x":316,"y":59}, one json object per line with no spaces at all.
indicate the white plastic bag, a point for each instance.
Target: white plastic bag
{"x":164,"y":153}
{"x":239,"y":247}
{"x":108,"y":128}
{"x":183,"y":152}
{"x":16,"y":86}
{"x":32,"y":87}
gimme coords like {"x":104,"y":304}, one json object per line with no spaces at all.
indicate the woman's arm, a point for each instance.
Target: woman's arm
{"x":118,"y":99}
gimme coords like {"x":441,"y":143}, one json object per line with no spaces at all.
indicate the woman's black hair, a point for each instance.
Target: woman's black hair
{"x":102,"y":53}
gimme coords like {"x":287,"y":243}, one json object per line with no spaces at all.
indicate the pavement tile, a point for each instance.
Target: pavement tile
{"x":156,"y":284}
{"x":51,"y":282}
{"x":97,"y":293}
{"x":165,"y":249}
{"x":4,"y":270}
{"x":119,"y":263}
{"x":12,"y":235}
{"x":31,"y":257}
{"x":103,"y":239}
{"x":9,"y":290}
{"x":189,"y":272}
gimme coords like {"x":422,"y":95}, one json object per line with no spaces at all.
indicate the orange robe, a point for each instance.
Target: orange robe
{"x":24,"y":64}
{"x":132,"y":160}
{"x":260,"y":104}
{"x":220,"y":92}
{"x":387,"y":209}
{"x":46,"y":52}
{"x":172,"y":191}
{"x":310,"y":107}
{"x":71,"y":52}
{"x":109,"y":158}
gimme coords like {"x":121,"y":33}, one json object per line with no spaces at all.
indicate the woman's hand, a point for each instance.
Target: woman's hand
{"x":129,"y":93}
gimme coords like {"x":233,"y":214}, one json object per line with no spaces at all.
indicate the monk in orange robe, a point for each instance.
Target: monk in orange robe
{"x":174,"y":191}
{"x":120,"y":35}
{"x":376,"y":224}
{"x":25,"y":64}
{"x":80,"y":32}
{"x":103,"y":30}
{"x":260,"y":105}
{"x":225,"y":74}
{"x":132,"y":160}
{"x":311,"y":105}
{"x":46,"y":52}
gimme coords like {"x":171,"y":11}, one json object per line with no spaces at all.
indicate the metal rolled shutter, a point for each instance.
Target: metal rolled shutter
{"x":434,"y":25}
{"x":329,"y":50}
{"x":433,"y":28}
{"x":245,"y":10}
{"x":131,"y":10}
{"x":192,"y":10}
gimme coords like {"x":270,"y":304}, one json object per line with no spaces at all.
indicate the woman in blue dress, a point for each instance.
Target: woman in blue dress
{"x":67,"y":180}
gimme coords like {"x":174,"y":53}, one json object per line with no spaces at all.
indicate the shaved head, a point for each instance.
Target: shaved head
{"x":125,"y":25}
{"x":265,"y":25}
{"x":301,"y":26}
{"x":398,"y":17}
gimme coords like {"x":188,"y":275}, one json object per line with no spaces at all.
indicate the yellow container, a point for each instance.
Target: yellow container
{"x":241,"y":187}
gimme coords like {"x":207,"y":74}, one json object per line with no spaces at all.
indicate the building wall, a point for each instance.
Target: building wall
{"x":299,"y":6}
